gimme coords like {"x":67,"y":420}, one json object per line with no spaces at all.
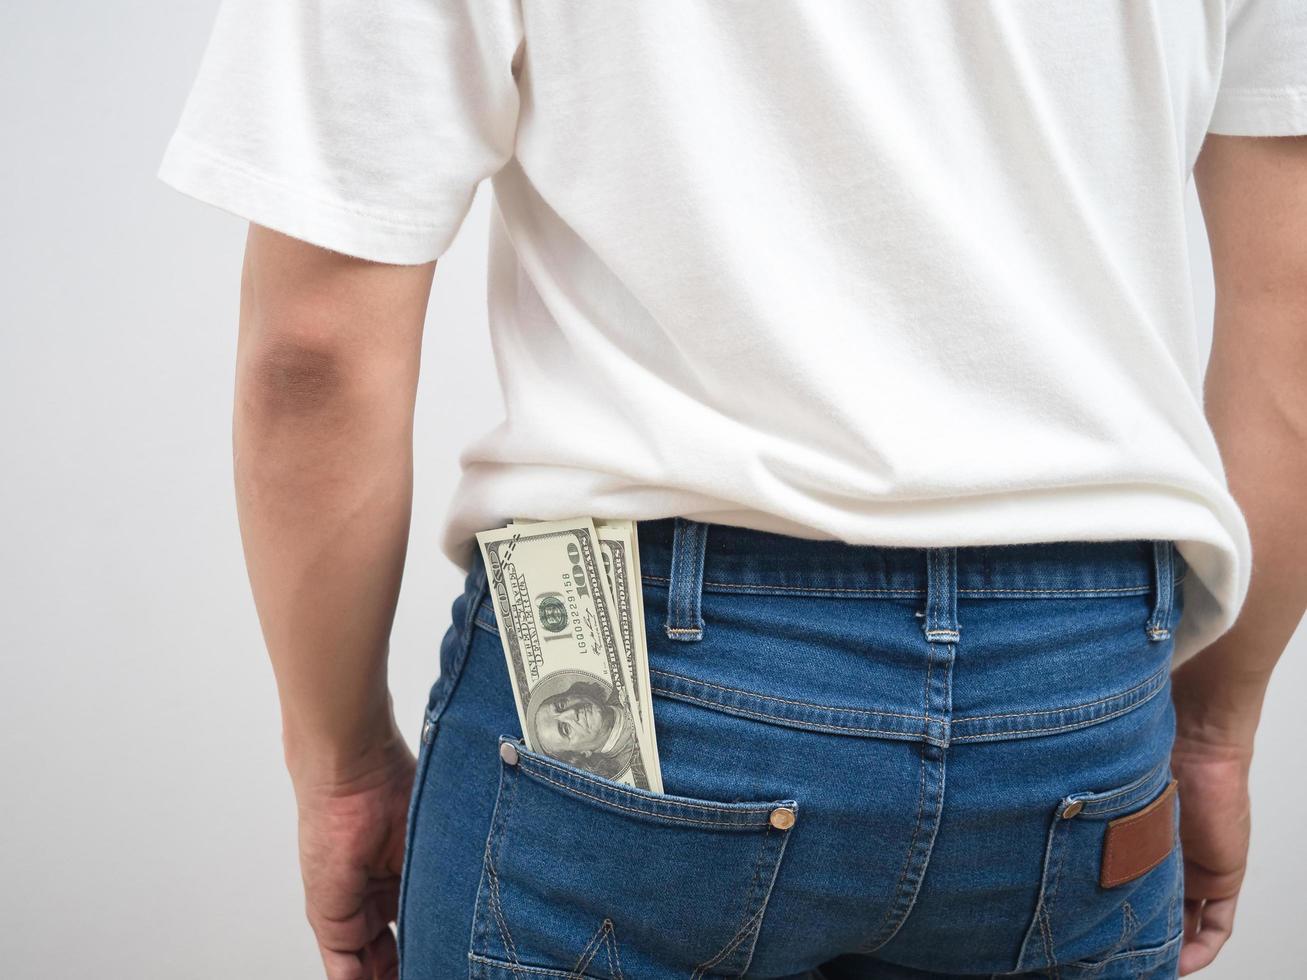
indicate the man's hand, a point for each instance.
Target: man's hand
{"x":351,"y":834}
{"x":1215,"y":827}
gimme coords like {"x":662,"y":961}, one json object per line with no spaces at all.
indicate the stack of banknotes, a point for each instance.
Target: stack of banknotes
{"x":567,"y":596}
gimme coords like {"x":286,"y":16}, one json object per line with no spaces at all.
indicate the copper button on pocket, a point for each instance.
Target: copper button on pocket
{"x":782,"y":818}
{"x":1138,"y":842}
{"x":1073,"y":808}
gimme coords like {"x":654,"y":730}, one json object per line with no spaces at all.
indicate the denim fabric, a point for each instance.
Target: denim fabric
{"x":928,"y":715}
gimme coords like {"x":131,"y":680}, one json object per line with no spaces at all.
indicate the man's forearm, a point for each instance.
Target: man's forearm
{"x":1257,"y":405}
{"x":323,"y":461}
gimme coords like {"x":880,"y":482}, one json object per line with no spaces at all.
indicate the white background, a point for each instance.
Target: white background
{"x":148,"y":827}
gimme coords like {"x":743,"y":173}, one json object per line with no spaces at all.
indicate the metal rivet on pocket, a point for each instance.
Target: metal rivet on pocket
{"x":428,"y":729}
{"x":782,"y":818}
{"x":1072,"y":809}
{"x":508,"y":752}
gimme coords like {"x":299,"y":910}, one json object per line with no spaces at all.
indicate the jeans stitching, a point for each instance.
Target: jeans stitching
{"x":428,"y":748}
{"x":731,"y":945}
{"x":798,"y":704}
{"x":1069,"y":726}
{"x":614,"y":952}
{"x":1151,"y":679}
{"x":590,"y":948}
{"x":535,"y":971}
{"x":495,"y":847}
{"x":916,"y":591}
{"x":646,"y":813}
{"x":884,"y":925}
{"x":808,"y":725}
{"x":876,"y":712}
{"x":726,"y":811}
{"x":1051,"y":900}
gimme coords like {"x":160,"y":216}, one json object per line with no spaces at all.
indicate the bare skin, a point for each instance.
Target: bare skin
{"x":326,"y":379}
{"x":327,"y":367}
{"x":1254,"y":198}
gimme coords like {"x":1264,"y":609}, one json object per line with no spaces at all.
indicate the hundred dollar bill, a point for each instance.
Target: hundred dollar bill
{"x":566,"y":659}
{"x":619,"y":545}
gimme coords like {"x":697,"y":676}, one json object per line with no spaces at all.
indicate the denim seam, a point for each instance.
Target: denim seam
{"x":884,"y":931}
{"x":535,"y":971}
{"x":941,"y":601}
{"x":784,"y":841}
{"x":1159,"y":950}
{"x":450,"y":682}
{"x":1050,"y":948}
{"x":962,"y":592}
{"x":647,"y":813}
{"x":1126,"y":796}
{"x":590,"y":948}
{"x":815,"y":726}
{"x":1129,"y":926}
{"x":1161,"y":673}
{"x":749,"y":918}
{"x":614,"y":952}
{"x":1037,"y":918}
{"x":480,"y":927}
{"x":496,"y":904}
{"x":428,"y":748}
{"x":724,"y":810}
{"x":771,"y":852}
{"x":603,"y":937}
{"x":732,"y":944}
{"x":800,"y":704}
{"x":1068,"y":727}
{"x":1158,"y":626}
{"x":1097,"y":719}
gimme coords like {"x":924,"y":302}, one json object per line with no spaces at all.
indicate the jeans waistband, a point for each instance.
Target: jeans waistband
{"x":691,"y":557}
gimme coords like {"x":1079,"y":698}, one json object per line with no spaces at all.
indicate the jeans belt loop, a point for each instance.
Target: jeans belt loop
{"x":685,"y":589}
{"x":1159,"y":623}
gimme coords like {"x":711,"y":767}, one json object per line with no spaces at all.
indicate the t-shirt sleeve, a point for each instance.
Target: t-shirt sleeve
{"x":1263,"y":88}
{"x":360,"y":126}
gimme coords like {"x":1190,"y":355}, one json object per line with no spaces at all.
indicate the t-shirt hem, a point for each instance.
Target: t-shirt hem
{"x":1260,"y":112}
{"x":208,"y":176}
{"x":1210,"y":534}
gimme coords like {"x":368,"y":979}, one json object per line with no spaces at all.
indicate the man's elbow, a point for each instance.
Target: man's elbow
{"x":296,"y":375}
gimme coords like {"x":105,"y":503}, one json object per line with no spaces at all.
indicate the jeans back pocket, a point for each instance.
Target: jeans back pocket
{"x":1089,"y":913}
{"x":586,"y":877}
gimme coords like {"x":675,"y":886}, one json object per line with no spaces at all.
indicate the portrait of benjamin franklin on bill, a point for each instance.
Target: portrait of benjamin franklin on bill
{"x":578,"y":718}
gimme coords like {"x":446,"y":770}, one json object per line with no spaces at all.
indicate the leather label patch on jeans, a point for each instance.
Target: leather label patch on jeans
{"x":1140,"y":841}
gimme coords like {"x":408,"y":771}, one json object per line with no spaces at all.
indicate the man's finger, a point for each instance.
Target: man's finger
{"x":342,"y":966}
{"x":382,"y":957}
{"x":1216,"y":923}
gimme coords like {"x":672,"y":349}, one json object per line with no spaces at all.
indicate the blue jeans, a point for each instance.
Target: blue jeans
{"x":950,"y":729}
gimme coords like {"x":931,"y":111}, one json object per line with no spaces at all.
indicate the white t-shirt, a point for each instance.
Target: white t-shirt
{"x":910,"y":272}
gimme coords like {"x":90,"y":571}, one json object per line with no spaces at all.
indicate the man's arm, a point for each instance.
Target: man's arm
{"x":1254,"y":198}
{"x":327,"y":368}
